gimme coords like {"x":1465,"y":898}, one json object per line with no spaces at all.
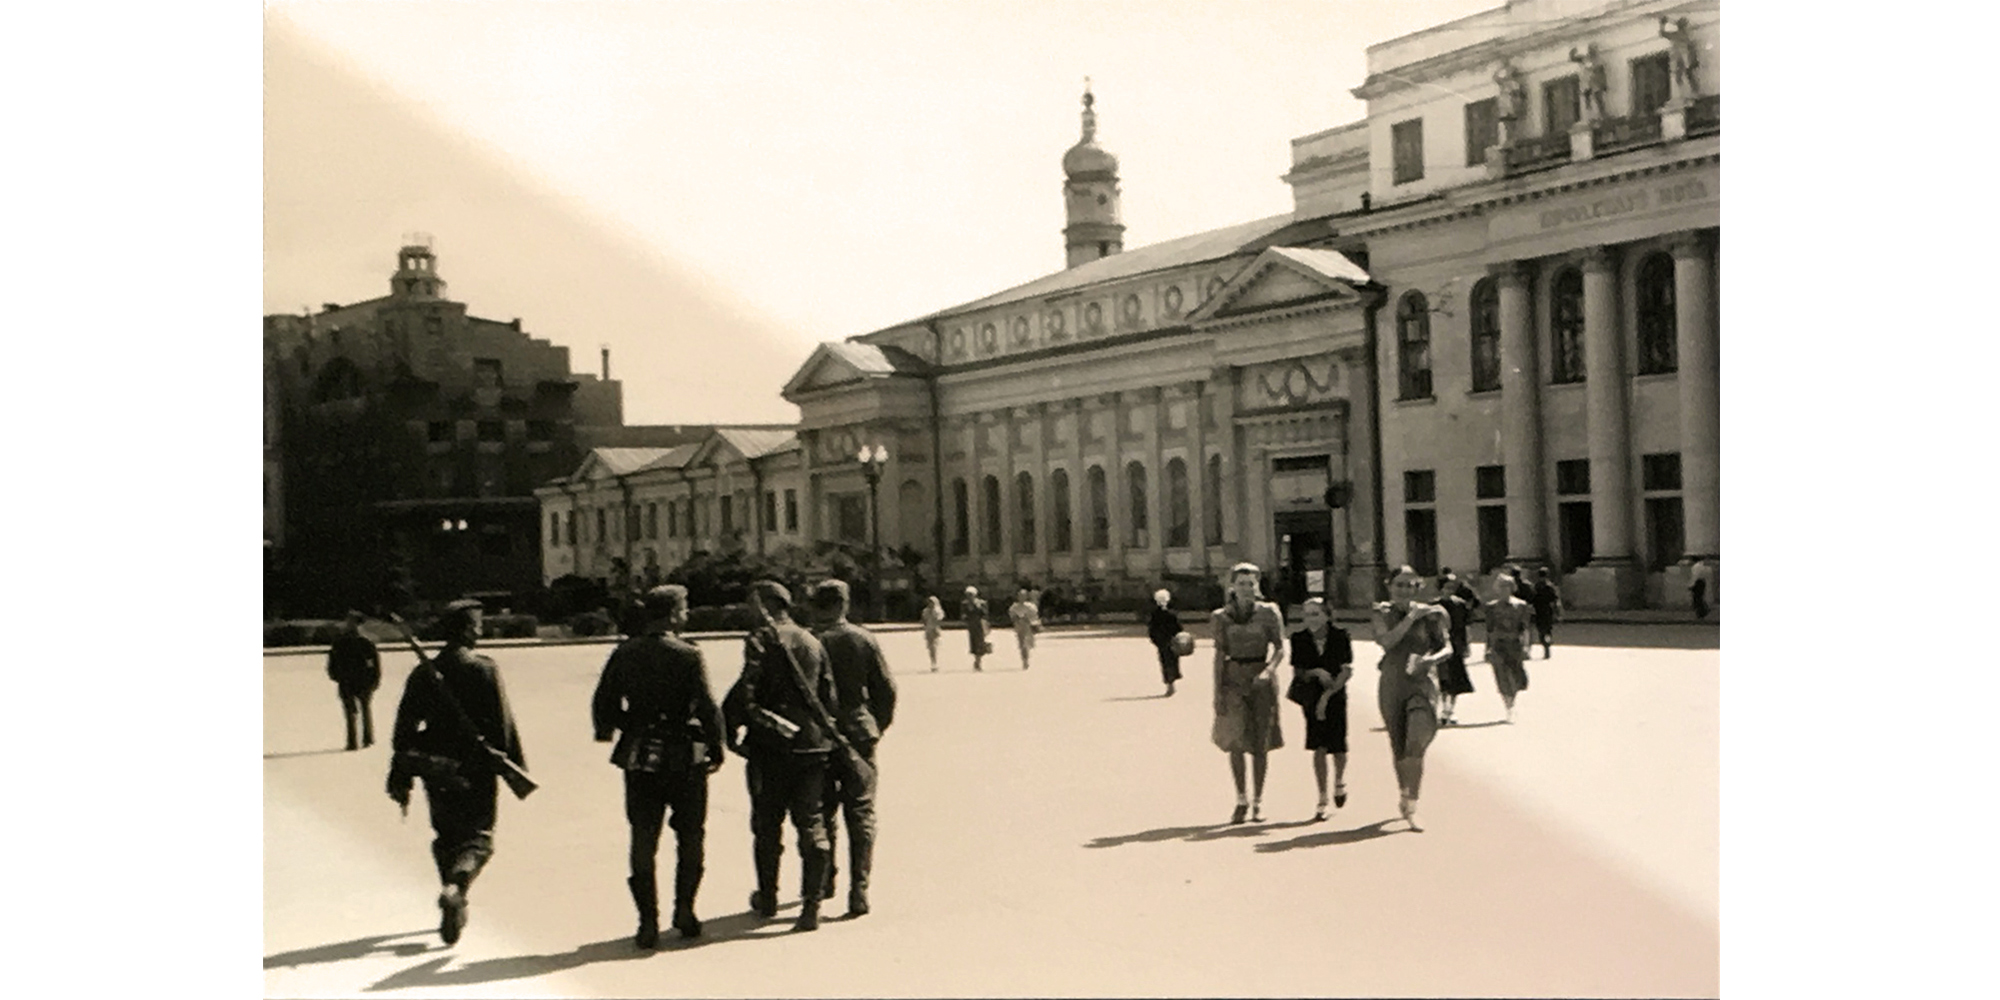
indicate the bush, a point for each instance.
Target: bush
{"x":722,"y":618}
{"x":287,"y":634}
{"x":510,"y":627}
{"x":591,"y":623}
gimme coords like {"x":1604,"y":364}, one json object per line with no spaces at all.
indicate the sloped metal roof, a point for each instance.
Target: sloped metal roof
{"x":757,"y":443}
{"x":621,"y":461}
{"x":675,"y":457}
{"x":1331,"y":263}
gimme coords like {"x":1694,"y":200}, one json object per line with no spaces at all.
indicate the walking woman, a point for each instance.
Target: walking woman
{"x":1507,"y":622}
{"x":1322,"y":663}
{"x":1453,"y":680}
{"x":1412,"y":637}
{"x":1548,"y":603}
{"x":1249,"y":644}
{"x":1027,"y":620}
{"x":933,"y":616}
{"x":973,"y":610}
{"x":1161,"y":628}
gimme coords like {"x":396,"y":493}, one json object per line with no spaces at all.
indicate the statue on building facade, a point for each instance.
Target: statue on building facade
{"x":1592,"y":79}
{"x":1511,"y":107}
{"x":1681,"y":46}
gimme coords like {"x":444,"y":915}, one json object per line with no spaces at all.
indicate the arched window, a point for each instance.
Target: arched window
{"x":1485,"y":336}
{"x":1059,"y":511}
{"x":1566,"y":326}
{"x":1657,"y":328}
{"x":1413,"y":346}
{"x":1211,"y":500}
{"x":652,"y":521}
{"x":1100,"y":508}
{"x":1177,"y":504}
{"x":1024,"y":494}
{"x":989,"y":489}
{"x":961,"y":523}
{"x":1135,"y":478}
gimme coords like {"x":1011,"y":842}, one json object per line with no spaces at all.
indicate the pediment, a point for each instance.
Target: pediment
{"x":1286,"y":276}
{"x":823,"y":370}
{"x":716,"y":451}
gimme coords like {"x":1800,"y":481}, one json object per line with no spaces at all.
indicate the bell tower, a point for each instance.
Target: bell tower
{"x":1090,"y":195}
{"x":416,"y":270}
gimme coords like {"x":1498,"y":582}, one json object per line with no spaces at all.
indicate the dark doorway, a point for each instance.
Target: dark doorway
{"x":1492,"y":537}
{"x":1574,"y":524}
{"x":1305,"y":558}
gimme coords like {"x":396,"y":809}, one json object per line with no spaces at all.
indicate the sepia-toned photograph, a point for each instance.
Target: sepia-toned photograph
{"x":878,"y":498}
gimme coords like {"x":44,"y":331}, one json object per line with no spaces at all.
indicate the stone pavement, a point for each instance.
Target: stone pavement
{"x":1059,"y":831}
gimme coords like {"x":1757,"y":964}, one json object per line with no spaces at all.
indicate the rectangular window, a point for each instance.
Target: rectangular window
{"x":492,"y":431}
{"x":1482,"y":130}
{"x":441,"y":430}
{"x":1562,"y":105}
{"x":1420,"y":534}
{"x":770,"y":510}
{"x":851,"y":516}
{"x":555,"y":529}
{"x":486,"y":373}
{"x":541,"y":430}
{"x":1489,"y":482}
{"x":1406,"y":140}
{"x":1492,"y":536}
{"x":961,"y":537}
{"x":1661,"y":471}
{"x":602,"y":533}
{"x":792,"y":510}
{"x":1573,"y":476}
{"x":728,"y":514}
{"x":1420,"y":486}
{"x":1650,"y":88}
{"x":652,"y":522}
{"x":1573,"y":529}
{"x":1664,"y":541}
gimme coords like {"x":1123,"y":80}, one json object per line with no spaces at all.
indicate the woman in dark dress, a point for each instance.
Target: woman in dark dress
{"x":1322,"y":663}
{"x":1161,"y":628}
{"x":1453,"y":678}
{"x":973,"y":610}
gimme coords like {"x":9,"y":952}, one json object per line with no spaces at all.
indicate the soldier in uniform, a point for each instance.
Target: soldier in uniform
{"x":867,"y":698}
{"x":355,"y":668}
{"x":654,"y":693}
{"x":787,"y":747}
{"x":460,"y":782}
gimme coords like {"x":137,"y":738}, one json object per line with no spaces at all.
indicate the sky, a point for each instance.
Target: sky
{"x":712,"y":188}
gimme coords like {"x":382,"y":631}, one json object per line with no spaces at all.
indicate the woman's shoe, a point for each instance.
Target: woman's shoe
{"x":1237,"y":816}
{"x":1319,"y":814}
{"x":1339,"y":795}
{"x":1257,"y":813}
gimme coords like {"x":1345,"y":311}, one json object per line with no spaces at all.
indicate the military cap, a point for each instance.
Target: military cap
{"x":664,"y":599}
{"x":773,"y":592}
{"x":829,"y":593}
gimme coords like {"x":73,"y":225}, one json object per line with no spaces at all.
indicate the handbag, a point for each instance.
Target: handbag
{"x":1302,"y":690}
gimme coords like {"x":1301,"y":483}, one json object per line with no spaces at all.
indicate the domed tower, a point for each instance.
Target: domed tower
{"x":416,"y":272}
{"x":1090,"y":194}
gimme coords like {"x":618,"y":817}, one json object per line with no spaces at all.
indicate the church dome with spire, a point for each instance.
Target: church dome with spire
{"x":1087,"y":158}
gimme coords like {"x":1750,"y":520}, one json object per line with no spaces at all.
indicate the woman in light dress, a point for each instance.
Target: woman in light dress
{"x":1249,"y":645}
{"x":1413,"y":639}
{"x":1027,"y":620}
{"x":1508,"y":620}
{"x":933,"y":616}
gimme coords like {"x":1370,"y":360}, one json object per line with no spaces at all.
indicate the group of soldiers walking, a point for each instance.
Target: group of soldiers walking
{"x":806,"y":714}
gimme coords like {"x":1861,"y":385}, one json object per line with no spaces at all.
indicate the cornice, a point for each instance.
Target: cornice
{"x":1478,"y":199}
{"x":1491,"y":50}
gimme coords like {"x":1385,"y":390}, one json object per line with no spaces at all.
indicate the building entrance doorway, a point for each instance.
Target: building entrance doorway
{"x":1305,"y":558}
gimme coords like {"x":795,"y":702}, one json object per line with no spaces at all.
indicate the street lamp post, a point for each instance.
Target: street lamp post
{"x":872,"y":460}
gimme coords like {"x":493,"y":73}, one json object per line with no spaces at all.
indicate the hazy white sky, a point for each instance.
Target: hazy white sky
{"x":713,"y":187}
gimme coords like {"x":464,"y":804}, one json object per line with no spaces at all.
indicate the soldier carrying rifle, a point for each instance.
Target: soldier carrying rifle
{"x":455,"y":731}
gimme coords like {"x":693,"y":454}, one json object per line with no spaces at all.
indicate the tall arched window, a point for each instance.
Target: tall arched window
{"x":989,"y":489}
{"x":1059,"y":511}
{"x":1657,"y":328}
{"x":1024,"y":494}
{"x":1211,"y":500}
{"x":1413,"y":346}
{"x":1566,"y":326}
{"x":652,"y":521}
{"x":1485,"y":336}
{"x":1177,"y":504}
{"x":1100,"y":508}
{"x":961,"y":507}
{"x":1135,"y":479}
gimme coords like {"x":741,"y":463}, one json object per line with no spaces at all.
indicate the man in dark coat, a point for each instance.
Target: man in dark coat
{"x":460,"y":778}
{"x":787,"y":746}
{"x":867,"y":699}
{"x":1547,"y":602}
{"x":356,"y":670}
{"x":654,"y":693}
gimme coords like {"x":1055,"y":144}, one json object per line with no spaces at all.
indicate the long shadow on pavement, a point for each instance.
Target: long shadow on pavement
{"x":1212,"y":831}
{"x":305,"y":753}
{"x":1137,"y":697}
{"x":357,"y":948}
{"x":1373,"y":830}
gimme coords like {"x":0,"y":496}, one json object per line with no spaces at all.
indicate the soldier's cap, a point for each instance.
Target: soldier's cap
{"x":664,"y":600}
{"x":772,"y":592}
{"x":828,"y":593}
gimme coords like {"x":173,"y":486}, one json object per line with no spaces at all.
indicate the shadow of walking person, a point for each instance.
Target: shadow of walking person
{"x":357,"y":948}
{"x":433,"y":973}
{"x":1379,"y":828}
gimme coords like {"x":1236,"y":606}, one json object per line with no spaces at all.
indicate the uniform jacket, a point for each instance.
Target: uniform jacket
{"x":769,"y":682}
{"x":861,"y":682}
{"x":655,"y":679}
{"x":353,"y":662}
{"x":425,"y":722}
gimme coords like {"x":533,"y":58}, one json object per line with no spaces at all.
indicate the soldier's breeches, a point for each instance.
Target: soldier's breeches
{"x":648,"y":798}
{"x":463,"y":822}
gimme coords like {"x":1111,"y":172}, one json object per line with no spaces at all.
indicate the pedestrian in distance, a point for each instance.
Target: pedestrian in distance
{"x":973,"y":611}
{"x":867,"y":697}
{"x":1453,"y":679}
{"x":355,"y":667}
{"x":933,"y":617}
{"x":1026,"y":619}
{"x":1700,"y":579}
{"x":654,"y":694}
{"x":788,"y":690}
{"x":1508,"y":619}
{"x":1413,"y":639}
{"x":1249,"y":645}
{"x":1161,"y":627}
{"x":449,"y":724}
{"x":1322,"y":664}
{"x":1547,"y":602}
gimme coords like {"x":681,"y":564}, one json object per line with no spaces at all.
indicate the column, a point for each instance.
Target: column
{"x":1610,"y":441}
{"x":1009,"y":504}
{"x":1118,"y":496}
{"x":1696,"y":343}
{"x":1231,"y":497}
{"x":975,"y":493}
{"x":1198,"y":476}
{"x":1365,"y":559}
{"x":1079,"y":490}
{"x":1521,"y":419}
{"x":1038,"y":464}
{"x":1156,"y":480}
{"x":809,"y":526}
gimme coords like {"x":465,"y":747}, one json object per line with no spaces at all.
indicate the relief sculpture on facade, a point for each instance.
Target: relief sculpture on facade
{"x":1295,"y":382}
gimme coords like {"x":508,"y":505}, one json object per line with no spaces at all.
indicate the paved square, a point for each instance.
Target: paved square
{"x":1059,"y":831}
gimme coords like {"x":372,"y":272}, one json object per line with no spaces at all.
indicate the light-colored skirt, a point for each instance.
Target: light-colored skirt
{"x":1248,"y":722}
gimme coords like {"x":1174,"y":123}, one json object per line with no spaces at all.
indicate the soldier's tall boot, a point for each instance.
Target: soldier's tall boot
{"x":861,"y":858}
{"x":686,"y":881}
{"x":764,"y":902}
{"x":815,"y":875}
{"x":645,"y":896}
